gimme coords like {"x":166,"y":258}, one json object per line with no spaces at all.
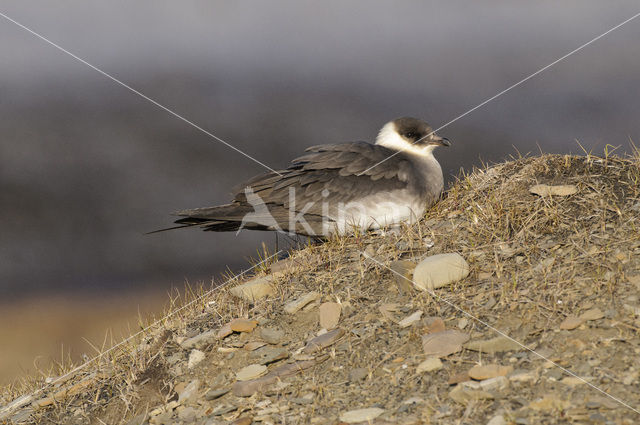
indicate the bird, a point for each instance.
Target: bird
{"x":337,"y":188}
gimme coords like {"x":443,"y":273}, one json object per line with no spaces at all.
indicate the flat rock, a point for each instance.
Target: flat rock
{"x":549,"y":403}
{"x":480,"y":373}
{"x":248,"y":388}
{"x":440,"y":270}
{"x":215,"y":394}
{"x":592,"y":314}
{"x":434,"y":324}
{"x":411,"y":319}
{"x":224,"y":331}
{"x":571,"y":322}
{"x":321,"y":342}
{"x":441,"y":344}
{"x":498,"y":344}
{"x":201,"y":340}
{"x":251,"y":372}
{"x":329,"y":315}
{"x":271,"y":336}
{"x":361,"y":415}
{"x":560,"y":190}
{"x":464,"y":395}
{"x":497,"y":420}
{"x":266,"y":355}
{"x":295,"y":305}
{"x":254,"y":345}
{"x":429,"y":365}
{"x":195,"y":357}
{"x":189,"y":393}
{"x":243,"y":325}
{"x":254,"y":289}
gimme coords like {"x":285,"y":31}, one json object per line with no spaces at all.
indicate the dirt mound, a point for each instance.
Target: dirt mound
{"x":544,"y":329}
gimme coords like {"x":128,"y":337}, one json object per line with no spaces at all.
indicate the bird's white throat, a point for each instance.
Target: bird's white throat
{"x":390,"y":138}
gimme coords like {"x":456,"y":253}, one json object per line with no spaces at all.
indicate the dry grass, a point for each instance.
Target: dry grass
{"x":534,"y":261}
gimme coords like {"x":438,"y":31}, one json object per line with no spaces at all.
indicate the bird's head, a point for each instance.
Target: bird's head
{"x":411,"y":135}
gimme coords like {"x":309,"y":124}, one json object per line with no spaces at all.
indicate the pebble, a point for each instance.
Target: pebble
{"x":497,"y":420}
{"x":224,"y":331}
{"x":251,"y":372}
{"x":592,"y":314}
{"x":410,"y":320}
{"x":295,"y":305}
{"x":549,"y":403}
{"x":560,"y":190}
{"x":464,"y":395}
{"x":215,"y":394}
{"x":440,"y":270}
{"x":254,"y":345}
{"x":243,"y":325}
{"x":245,"y":420}
{"x":188,"y":414}
{"x":266,"y":355}
{"x":572,"y":381}
{"x":480,"y":373}
{"x":429,"y":365}
{"x":358,"y":374}
{"x":329,"y":315}
{"x":525,"y":376}
{"x":494,"y":345}
{"x":271,"y":336}
{"x":434,"y":324}
{"x":195,"y":357}
{"x":189,"y":393}
{"x":320,"y":342}
{"x":255,"y":289}
{"x":441,"y":344}
{"x":571,"y":322}
{"x":361,"y":415}
{"x":201,"y":340}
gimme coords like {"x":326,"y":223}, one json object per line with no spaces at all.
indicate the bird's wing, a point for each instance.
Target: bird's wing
{"x":339,"y":172}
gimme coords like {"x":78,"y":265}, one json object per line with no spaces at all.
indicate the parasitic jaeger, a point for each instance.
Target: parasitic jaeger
{"x":335,"y":188}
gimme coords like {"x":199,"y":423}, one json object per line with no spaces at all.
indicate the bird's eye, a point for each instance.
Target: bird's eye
{"x":410,"y":135}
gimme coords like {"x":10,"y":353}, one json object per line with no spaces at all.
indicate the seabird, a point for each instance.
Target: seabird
{"x":338,"y":187}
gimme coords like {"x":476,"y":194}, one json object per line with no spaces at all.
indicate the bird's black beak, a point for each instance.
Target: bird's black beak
{"x":439,"y":141}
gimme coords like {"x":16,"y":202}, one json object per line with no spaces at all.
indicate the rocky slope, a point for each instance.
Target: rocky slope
{"x":533,"y":320}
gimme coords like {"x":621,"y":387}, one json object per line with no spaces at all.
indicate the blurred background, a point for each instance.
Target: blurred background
{"x":87,"y":167}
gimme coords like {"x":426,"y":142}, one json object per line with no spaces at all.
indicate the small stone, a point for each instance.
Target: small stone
{"x":295,"y":305}
{"x":245,"y":420}
{"x":458,"y":378}
{"x":361,"y":415}
{"x":429,"y":365}
{"x":224,"y":331}
{"x":572,"y":381}
{"x":546,"y":190}
{"x":592,"y":314}
{"x":195,"y":357}
{"x":254,"y":289}
{"x":201,"y":340}
{"x":440,"y":270}
{"x":434,"y":324}
{"x":410,"y":320}
{"x":494,"y":345}
{"x":254,"y":345}
{"x":329,"y":315}
{"x":402,"y":271}
{"x":571,"y":322}
{"x":549,"y":403}
{"x":480,"y":373}
{"x":358,"y":374}
{"x":271,"y":336}
{"x":524,"y":376}
{"x":266,"y":355}
{"x":387,"y":310}
{"x":251,"y":372}
{"x":320,"y":342}
{"x":497,"y":383}
{"x":464,"y":395}
{"x":188,"y":414}
{"x":189,"y":393}
{"x":222,"y":410}
{"x":441,"y":344}
{"x":215,"y":394}
{"x":497,"y":420}
{"x":462,"y":323}
{"x":243,"y":325}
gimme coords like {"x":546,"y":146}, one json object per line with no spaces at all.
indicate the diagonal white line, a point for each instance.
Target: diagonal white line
{"x":27,"y":398}
{"x":175,"y":114}
{"x":498,"y":331}
{"x":480,"y":105}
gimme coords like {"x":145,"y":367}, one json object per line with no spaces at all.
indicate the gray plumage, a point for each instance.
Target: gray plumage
{"x":324,"y":180}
